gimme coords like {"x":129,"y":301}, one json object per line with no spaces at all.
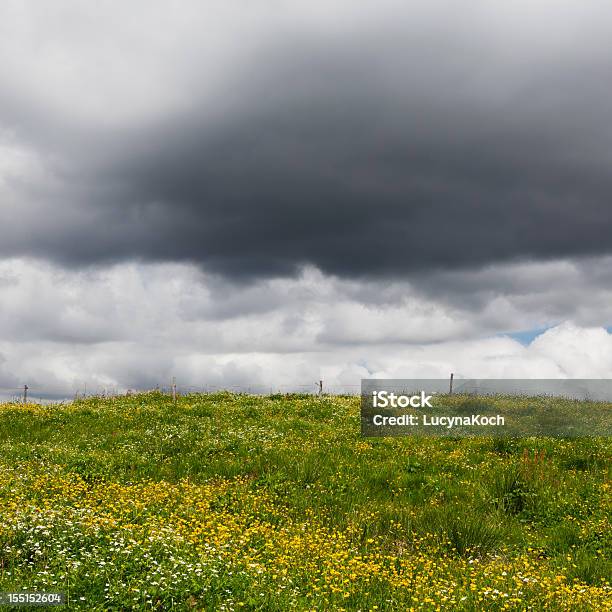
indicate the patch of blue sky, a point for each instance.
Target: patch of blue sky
{"x":527,"y":336}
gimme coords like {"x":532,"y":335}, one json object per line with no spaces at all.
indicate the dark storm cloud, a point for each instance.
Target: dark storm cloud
{"x":383,"y":153}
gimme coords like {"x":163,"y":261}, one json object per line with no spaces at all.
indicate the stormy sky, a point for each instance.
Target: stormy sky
{"x":266,"y":194}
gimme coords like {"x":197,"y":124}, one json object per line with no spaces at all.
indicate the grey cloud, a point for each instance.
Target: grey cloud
{"x":386,"y":151}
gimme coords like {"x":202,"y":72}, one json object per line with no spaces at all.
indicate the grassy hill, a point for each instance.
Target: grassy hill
{"x":236,"y":502}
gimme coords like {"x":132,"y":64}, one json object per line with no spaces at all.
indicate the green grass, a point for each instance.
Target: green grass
{"x":242,"y":502}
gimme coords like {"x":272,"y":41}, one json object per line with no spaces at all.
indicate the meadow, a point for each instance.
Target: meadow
{"x":238,"y":502}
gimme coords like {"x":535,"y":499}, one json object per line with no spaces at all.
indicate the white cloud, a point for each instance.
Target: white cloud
{"x":137,"y":326}
{"x":579,"y":352}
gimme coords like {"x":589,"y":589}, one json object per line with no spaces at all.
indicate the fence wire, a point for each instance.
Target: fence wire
{"x":39,"y":395}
